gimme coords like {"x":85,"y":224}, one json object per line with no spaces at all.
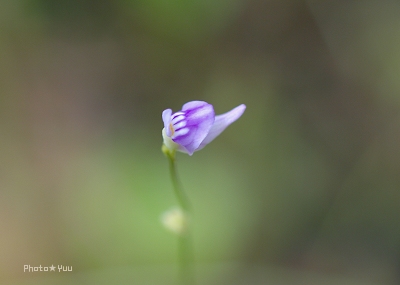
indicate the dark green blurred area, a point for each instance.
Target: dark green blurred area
{"x":303,"y":189}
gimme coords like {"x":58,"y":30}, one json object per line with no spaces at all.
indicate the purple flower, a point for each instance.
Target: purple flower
{"x":195,"y":126}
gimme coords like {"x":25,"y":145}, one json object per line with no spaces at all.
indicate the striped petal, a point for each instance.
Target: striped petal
{"x":189,"y":127}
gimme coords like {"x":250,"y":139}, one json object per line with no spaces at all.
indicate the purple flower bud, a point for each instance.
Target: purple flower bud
{"x":195,"y":125}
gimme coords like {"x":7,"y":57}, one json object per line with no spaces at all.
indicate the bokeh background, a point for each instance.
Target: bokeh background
{"x":303,"y":189}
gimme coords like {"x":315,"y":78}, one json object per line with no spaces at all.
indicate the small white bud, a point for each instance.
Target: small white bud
{"x":176,"y":220}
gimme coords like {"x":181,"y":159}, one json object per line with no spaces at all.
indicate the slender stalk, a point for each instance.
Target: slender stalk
{"x":180,"y":195}
{"x":185,"y":260}
{"x":185,"y":248}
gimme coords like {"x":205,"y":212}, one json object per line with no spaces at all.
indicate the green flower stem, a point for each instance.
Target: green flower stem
{"x":185,"y":252}
{"x":185,"y":247}
{"x":180,"y":195}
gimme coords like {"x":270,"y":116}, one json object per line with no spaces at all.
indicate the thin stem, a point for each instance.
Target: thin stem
{"x":180,"y":195}
{"x":185,"y":249}
{"x":185,"y":260}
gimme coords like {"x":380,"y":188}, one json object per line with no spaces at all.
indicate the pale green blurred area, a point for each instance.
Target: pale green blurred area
{"x":303,"y":189}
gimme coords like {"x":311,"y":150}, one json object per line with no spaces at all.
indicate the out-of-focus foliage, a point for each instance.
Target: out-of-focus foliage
{"x":303,"y":189}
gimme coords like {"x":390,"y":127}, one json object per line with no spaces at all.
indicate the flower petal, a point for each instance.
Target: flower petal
{"x":221,"y":122}
{"x":199,"y":118}
{"x":170,"y":144}
{"x":166,"y":116}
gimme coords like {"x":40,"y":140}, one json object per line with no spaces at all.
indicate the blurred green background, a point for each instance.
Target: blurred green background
{"x":303,"y":189}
